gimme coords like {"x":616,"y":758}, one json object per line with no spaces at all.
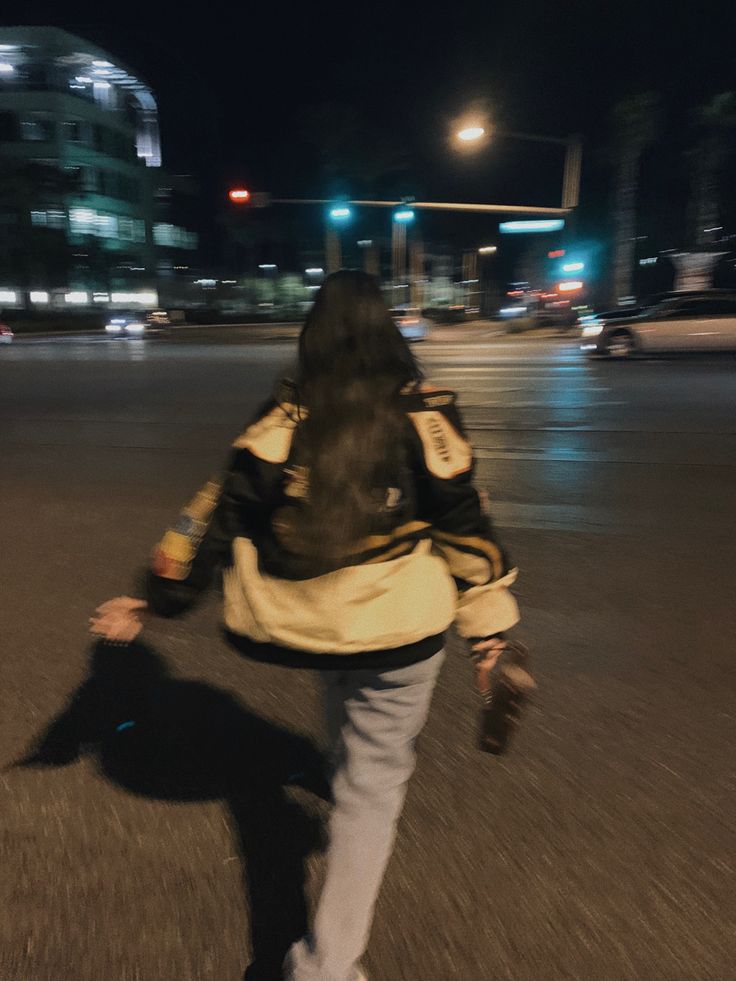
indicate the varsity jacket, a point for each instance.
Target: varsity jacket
{"x":390,"y":600}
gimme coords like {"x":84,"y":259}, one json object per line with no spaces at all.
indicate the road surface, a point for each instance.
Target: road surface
{"x":602,"y":847}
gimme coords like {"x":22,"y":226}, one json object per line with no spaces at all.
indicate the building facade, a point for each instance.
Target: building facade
{"x":81,"y":217}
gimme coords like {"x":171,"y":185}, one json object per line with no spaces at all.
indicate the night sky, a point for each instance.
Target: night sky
{"x":263,"y":94}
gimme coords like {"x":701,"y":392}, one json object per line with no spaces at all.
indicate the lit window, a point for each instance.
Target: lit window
{"x":107,"y":226}
{"x":174,"y":237}
{"x":37,"y":129}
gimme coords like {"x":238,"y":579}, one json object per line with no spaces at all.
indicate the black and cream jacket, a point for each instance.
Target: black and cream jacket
{"x":435,"y":561}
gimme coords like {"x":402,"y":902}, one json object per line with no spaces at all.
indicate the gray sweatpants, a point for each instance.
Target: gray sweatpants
{"x":373,"y":719}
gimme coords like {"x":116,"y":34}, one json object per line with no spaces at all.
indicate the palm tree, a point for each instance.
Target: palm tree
{"x":714,"y":120}
{"x":637,"y":125}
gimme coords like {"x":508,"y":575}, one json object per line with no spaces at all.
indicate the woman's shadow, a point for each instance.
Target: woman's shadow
{"x":177,"y":740}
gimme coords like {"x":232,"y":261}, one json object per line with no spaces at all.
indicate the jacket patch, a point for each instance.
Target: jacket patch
{"x":173,"y":556}
{"x":446,"y":453}
{"x":270,"y":438}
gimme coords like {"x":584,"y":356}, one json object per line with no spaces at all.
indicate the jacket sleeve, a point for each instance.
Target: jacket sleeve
{"x":461,"y":527}
{"x":199,"y":543}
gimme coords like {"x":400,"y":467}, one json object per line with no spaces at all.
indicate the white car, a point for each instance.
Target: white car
{"x":411,"y":323}
{"x":139,"y":324}
{"x":689,"y":322}
{"x":133,"y":326}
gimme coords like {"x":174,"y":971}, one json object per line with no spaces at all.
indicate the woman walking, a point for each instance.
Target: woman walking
{"x":351,"y":537}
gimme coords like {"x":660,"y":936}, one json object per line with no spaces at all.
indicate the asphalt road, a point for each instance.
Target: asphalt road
{"x":602,"y":847}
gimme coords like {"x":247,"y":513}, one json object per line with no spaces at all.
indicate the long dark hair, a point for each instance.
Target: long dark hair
{"x":353,"y":363}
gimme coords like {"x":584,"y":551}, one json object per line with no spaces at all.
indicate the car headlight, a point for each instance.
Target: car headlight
{"x":592,"y":330}
{"x":113,"y":328}
{"x":135,"y":328}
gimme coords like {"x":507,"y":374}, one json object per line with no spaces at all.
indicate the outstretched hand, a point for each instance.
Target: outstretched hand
{"x":118,"y":620}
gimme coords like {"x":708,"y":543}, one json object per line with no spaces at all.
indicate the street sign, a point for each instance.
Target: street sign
{"x":533,"y":225}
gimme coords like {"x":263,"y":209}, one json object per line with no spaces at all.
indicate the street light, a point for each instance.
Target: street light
{"x":474,"y":133}
{"x":487,"y":250}
{"x":340,"y":213}
{"x":469,"y":134}
{"x":404,"y":215}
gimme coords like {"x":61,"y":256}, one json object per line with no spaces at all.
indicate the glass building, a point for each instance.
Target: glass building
{"x":80,"y":168}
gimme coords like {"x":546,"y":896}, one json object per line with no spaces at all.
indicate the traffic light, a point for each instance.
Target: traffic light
{"x":404,"y":215}
{"x":340,"y":213}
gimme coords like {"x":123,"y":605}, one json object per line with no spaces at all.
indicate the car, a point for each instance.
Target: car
{"x":411,"y":323}
{"x":138,"y":324}
{"x":692,"y":322}
{"x":126,"y":325}
{"x":6,"y":334}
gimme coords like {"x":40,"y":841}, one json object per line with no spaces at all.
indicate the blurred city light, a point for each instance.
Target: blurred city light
{"x":569,"y":286}
{"x":340,"y":213}
{"x":404,"y":215}
{"x":487,"y":249}
{"x":471,"y":133}
{"x":8,"y":296}
{"x":531,"y":225}
{"x":239,"y":195}
{"x":314,"y":271}
{"x":570,"y":267}
{"x":39,"y":296}
{"x":77,"y":296}
{"x":5,"y":68}
{"x":556,"y":254}
{"x":144,"y":297}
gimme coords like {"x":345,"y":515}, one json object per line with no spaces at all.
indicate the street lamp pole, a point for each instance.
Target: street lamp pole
{"x":573,"y":158}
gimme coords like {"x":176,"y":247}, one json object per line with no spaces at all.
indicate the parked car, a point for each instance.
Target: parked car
{"x":411,"y":323}
{"x":6,"y":334}
{"x":686,"y":322}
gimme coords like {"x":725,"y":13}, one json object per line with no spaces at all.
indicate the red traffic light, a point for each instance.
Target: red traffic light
{"x":238,"y":195}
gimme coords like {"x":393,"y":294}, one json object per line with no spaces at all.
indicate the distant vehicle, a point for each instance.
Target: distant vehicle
{"x":686,"y":322}
{"x":411,"y":323}
{"x":138,"y":324}
{"x":158,"y":318}
{"x":6,"y":334}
